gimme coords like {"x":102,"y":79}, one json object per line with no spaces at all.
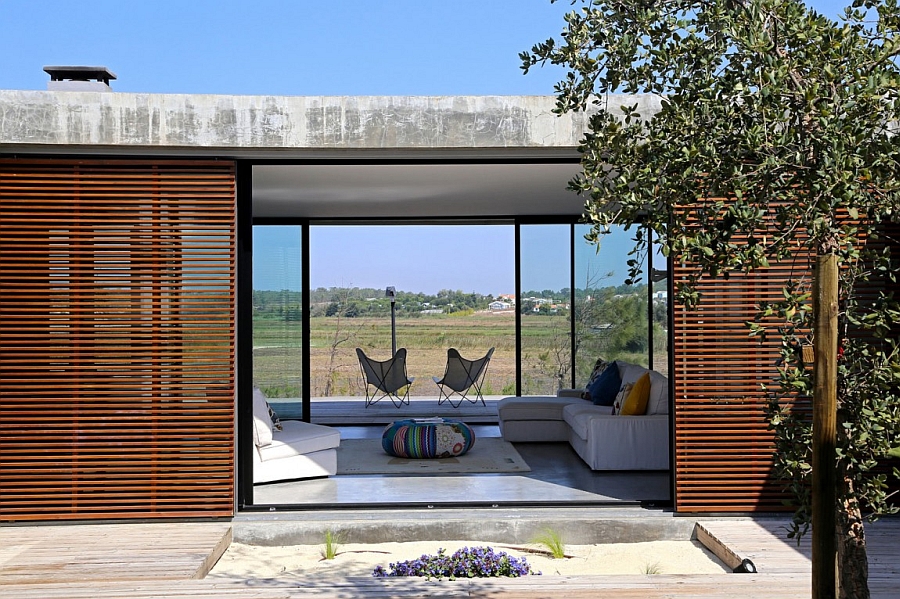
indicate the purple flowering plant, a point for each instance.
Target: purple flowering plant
{"x":475,"y":562}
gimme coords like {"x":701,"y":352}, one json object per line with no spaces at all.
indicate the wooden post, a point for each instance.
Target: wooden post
{"x":824,"y":475}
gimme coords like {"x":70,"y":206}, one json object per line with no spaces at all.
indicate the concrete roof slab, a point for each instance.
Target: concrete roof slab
{"x":242,"y":125}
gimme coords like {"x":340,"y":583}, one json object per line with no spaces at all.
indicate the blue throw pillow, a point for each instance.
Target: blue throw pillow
{"x":603,"y":390}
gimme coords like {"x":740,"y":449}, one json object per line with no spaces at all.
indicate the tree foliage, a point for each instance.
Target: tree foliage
{"x":761,"y":102}
{"x":356,"y":302}
{"x":772,"y":135}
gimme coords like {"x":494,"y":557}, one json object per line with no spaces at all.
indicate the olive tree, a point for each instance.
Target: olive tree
{"x":775,"y":137}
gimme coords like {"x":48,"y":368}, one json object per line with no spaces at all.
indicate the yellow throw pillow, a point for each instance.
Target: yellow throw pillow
{"x":636,"y":404}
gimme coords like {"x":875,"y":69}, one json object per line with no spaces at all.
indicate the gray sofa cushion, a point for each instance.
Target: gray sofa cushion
{"x":629,"y":372}
{"x":623,"y":442}
{"x":534,"y":431}
{"x":535,"y":408}
{"x":659,"y":394}
{"x":578,"y":417}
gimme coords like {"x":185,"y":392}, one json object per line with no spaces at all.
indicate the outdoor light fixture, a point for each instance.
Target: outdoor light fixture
{"x":746,"y":567}
{"x":391,"y":293}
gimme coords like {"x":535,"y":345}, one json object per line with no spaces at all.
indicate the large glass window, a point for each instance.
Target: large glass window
{"x":278,"y":315}
{"x":611,"y":317}
{"x":454,"y":287}
{"x":661,"y":305}
{"x":544,"y":305}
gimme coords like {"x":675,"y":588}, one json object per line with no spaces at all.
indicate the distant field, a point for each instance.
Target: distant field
{"x":277,"y":353}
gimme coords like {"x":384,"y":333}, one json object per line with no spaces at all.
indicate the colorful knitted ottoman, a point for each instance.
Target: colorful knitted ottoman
{"x":427,"y":438}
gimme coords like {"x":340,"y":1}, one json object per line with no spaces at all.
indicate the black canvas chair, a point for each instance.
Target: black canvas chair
{"x":462,"y":376}
{"x":386,"y":378}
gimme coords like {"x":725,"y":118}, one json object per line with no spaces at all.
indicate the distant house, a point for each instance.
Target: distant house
{"x":507,"y":297}
{"x":497,"y":306}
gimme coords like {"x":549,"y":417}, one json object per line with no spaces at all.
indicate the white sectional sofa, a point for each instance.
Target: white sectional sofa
{"x":298,"y":450}
{"x":604,"y":441}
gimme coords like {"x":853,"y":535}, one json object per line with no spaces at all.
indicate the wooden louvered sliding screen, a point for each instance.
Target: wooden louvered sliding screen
{"x":117,"y":293}
{"x":723,"y":448}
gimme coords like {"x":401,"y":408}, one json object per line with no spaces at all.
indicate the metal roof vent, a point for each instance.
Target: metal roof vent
{"x":79,"y":79}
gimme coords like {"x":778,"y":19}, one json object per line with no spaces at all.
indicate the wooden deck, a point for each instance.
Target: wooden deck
{"x":84,"y":554}
{"x":764,"y":542}
{"x":169,"y":560}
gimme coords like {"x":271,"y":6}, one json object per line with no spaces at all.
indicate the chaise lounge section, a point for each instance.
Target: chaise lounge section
{"x":605,"y":441}
{"x":291,"y":449}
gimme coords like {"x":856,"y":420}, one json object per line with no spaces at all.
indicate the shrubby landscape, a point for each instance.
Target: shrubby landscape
{"x":611,"y":322}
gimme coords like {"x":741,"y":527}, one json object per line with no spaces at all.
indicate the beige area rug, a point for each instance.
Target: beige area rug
{"x":488,"y":455}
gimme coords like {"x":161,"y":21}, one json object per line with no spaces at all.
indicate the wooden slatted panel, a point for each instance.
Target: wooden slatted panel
{"x":117,"y":339}
{"x":723,"y":448}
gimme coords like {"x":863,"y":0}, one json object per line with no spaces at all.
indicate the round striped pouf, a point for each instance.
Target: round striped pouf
{"x":424,"y":439}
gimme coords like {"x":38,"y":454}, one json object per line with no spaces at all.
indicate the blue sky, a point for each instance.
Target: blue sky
{"x":290,"y":47}
{"x":322,"y":47}
{"x":301,"y":47}
{"x":478,"y":258}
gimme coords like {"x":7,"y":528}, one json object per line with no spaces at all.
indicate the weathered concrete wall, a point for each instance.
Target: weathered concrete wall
{"x":43,"y":118}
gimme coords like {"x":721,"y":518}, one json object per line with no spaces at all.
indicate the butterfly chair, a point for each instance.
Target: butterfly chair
{"x":462,"y":376}
{"x":387,"y":378}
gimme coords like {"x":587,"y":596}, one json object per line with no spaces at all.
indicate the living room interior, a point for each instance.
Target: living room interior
{"x":528,"y":226}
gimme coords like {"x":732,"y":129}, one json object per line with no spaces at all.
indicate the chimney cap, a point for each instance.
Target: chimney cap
{"x":79,"y":73}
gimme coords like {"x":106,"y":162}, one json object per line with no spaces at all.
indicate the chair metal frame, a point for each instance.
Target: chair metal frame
{"x":387,"y":377}
{"x":461,"y":376}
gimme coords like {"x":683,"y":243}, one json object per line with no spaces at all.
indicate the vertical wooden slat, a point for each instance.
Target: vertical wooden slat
{"x":117,"y":297}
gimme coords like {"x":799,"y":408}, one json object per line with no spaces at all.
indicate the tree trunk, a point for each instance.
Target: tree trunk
{"x":852,"y":559}
{"x":824,"y":441}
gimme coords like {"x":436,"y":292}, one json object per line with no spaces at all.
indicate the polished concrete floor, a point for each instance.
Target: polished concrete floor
{"x":558,"y":476}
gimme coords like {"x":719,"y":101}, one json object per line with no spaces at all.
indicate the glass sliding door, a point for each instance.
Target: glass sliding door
{"x":611,"y":317}
{"x":454,"y":287}
{"x":544,"y":305}
{"x":278,"y":316}
{"x":661,"y":307}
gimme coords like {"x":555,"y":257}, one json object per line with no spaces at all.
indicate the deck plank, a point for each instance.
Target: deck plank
{"x":608,"y":587}
{"x":110,"y":552}
{"x":765,"y":542}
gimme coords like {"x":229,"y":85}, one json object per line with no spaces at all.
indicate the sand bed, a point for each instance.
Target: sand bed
{"x":657,"y":557}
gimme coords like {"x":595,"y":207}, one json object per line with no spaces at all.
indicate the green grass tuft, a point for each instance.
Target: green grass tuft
{"x":552,"y":541}
{"x":332,"y":544}
{"x":652,"y":568}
